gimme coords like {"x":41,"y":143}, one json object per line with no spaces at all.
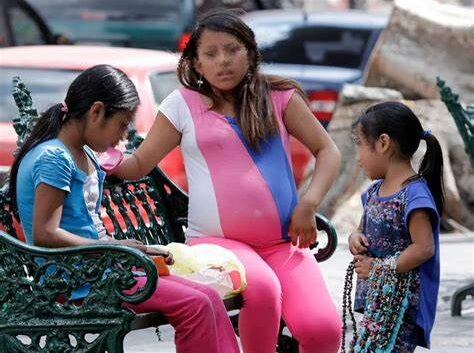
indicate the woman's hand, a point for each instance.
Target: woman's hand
{"x":358,"y":243}
{"x":362,"y":265}
{"x":303,"y":229}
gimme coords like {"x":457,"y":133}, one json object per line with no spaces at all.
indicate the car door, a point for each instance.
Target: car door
{"x":23,"y":25}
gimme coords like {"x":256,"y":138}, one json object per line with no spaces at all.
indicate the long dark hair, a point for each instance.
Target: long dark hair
{"x":403,"y":126}
{"x":103,"y":83}
{"x":254,"y":107}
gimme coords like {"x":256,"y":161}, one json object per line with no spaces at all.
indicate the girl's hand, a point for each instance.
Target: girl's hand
{"x":161,"y":252}
{"x":358,"y":243}
{"x":303,"y":229}
{"x":362,"y":265}
{"x":133,"y":243}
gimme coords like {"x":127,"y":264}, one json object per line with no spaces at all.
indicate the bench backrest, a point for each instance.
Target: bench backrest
{"x":464,"y":118}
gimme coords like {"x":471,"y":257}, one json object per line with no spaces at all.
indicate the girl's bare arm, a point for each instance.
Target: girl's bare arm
{"x":422,"y":247}
{"x":46,"y":219}
{"x":47,"y":213}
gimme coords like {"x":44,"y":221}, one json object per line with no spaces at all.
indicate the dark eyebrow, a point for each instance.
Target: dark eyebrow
{"x":211,"y":47}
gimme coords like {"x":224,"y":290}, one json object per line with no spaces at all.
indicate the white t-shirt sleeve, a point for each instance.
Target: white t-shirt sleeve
{"x":172,"y":107}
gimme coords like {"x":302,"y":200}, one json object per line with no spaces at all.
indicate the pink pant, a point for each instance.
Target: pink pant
{"x":195,"y":311}
{"x":283,"y":280}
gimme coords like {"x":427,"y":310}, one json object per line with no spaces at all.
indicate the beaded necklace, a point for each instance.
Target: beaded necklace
{"x":386,"y":302}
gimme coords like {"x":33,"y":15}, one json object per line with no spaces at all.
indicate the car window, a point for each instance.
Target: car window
{"x":162,"y":84}
{"x":312,"y":45}
{"x":246,"y":5}
{"x":47,"y":87}
{"x":3,"y":30}
{"x":25,"y":29}
{"x":110,"y":10}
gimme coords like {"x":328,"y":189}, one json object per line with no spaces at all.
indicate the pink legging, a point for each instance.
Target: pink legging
{"x":195,"y":311}
{"x":283,"y":280}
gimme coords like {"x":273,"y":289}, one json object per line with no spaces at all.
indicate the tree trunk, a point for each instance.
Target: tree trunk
{"x":425,"y":39}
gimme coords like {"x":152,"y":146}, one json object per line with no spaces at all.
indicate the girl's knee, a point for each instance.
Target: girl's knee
{"x":199,"y":304}
{"x":212,"y":294}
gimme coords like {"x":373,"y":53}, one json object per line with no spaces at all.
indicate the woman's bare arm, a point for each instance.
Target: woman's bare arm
{"x":160,"y":140}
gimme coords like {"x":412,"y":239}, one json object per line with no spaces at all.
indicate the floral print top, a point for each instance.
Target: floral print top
{"x":385,"y":224}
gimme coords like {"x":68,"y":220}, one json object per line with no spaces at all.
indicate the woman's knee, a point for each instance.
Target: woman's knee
{"x":265,"y":290}
{"x":324,"y":333}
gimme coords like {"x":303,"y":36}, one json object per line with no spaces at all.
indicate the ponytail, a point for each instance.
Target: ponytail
{"x":431,"y":169}
{"x":46,"y":128}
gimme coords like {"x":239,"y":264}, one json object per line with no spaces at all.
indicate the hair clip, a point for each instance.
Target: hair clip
{"x":64,"y":107}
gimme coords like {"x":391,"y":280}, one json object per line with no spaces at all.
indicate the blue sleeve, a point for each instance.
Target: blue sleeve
{"x":55,"y":168}
{"x":372,"y":187}
{"x":363,"y":198}
{"x":419,"y":197}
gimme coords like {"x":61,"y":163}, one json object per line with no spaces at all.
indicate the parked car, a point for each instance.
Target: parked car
{"x":20,"y":24}
{"x":152,"y":24}
{"x":245,"y":5}
{"x":320,"y":50}
{"x":47,"y":71}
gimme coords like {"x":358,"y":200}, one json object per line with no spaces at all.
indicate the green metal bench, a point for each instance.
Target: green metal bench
{"x":464,"y":119}
{"x":42,"y":310}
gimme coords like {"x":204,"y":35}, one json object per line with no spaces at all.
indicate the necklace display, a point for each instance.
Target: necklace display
{"x":386,"y":302}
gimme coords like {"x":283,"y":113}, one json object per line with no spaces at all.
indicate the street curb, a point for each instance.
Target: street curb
{"x":456,"y":237}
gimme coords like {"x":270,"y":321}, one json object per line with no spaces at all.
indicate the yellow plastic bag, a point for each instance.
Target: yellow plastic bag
{"x":211,"y":265}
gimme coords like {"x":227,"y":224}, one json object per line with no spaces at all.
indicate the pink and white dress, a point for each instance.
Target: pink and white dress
{"x":234,"y":192}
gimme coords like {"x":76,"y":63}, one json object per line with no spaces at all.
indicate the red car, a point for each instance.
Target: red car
{"x":47,"y":71}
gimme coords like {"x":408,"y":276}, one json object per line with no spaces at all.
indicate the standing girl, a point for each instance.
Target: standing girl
{"x":233,"y":125}
{"x":56,"y":182}
{"x":399,"y":228}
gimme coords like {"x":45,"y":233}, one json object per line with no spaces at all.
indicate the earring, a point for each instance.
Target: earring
{"x":200,"y":82}
{"x":248,"y":76}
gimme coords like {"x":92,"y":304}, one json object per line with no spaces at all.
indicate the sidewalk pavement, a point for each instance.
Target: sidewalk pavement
{"x":450,"y":334}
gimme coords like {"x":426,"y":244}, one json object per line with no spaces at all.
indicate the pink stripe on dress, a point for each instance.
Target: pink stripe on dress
{"x":247,"y":210}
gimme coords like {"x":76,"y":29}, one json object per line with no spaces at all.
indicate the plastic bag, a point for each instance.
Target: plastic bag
{"x":211,"y":265}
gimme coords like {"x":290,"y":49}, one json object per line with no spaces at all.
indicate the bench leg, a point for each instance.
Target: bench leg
{"x":286,"y":343}
{"x":115,"y":341}
{"x":459,"y":296}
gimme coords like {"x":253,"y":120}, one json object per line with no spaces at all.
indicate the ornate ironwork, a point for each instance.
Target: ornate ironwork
{"x":133,"y":139}
{"x":464,"y":118}
{"x":151,"y":209}
{"x":38,"y":298}
{"x":27,"y":113}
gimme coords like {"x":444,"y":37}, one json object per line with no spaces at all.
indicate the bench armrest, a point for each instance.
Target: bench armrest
{"x":325,"y":252}
{"x":40,"y":283}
